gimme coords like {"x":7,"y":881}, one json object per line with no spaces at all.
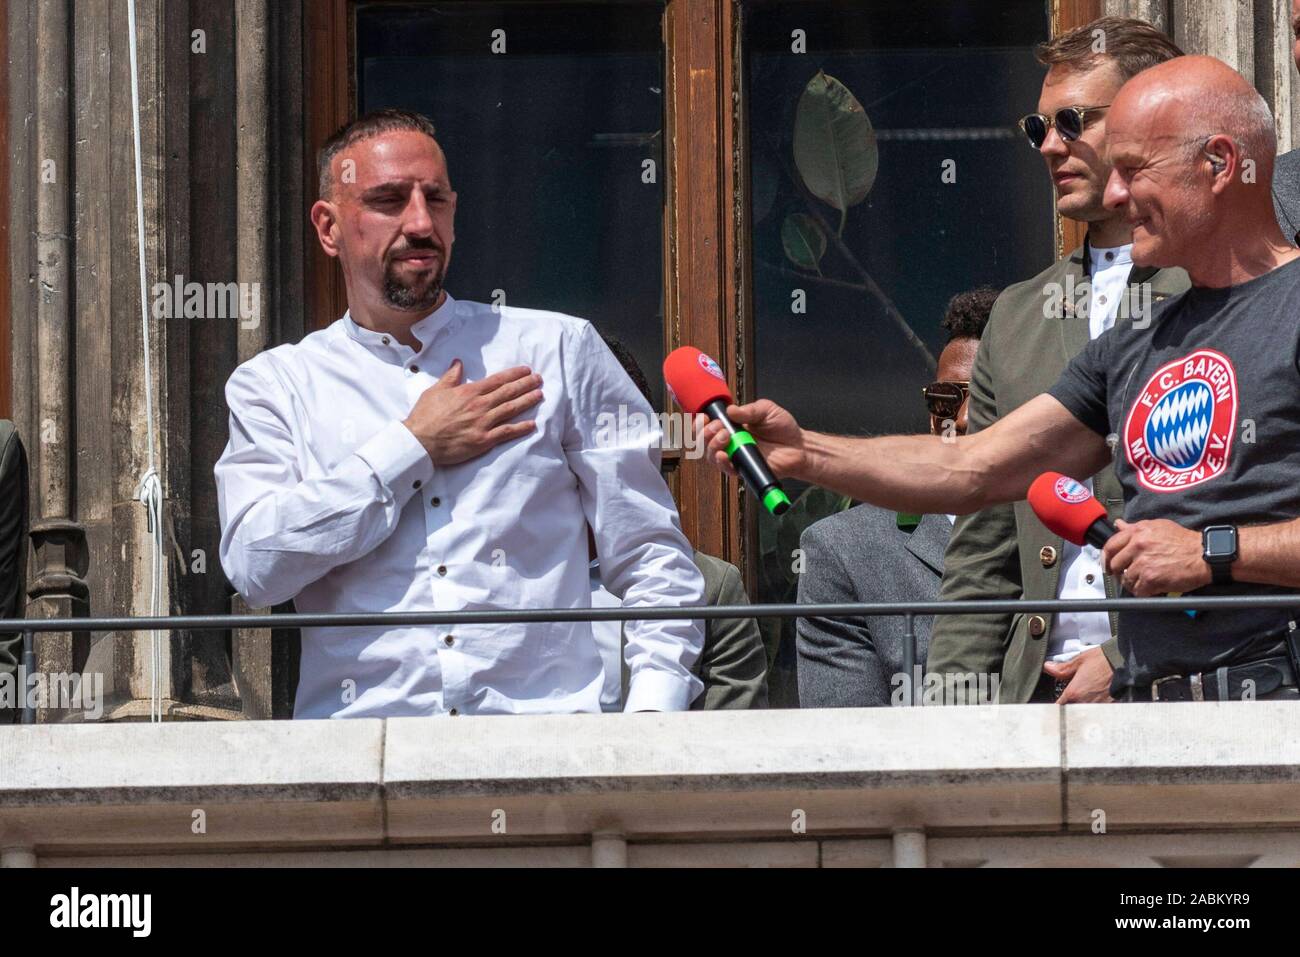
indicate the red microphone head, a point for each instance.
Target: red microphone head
{"x":694,"y":379}
{"x":1065,"y":506}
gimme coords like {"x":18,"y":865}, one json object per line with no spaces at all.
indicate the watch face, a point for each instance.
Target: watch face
{"x":1220,"y":541}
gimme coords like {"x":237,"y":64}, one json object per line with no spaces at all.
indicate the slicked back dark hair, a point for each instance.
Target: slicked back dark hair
{"x":362,"y":128}
{"x":968,"y":313}
{"x":1133,"y":45}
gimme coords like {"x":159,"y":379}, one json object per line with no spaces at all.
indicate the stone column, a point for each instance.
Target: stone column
{"x":1275,"y":69}
{"x":1217,"y":29}
{"x":251,"y":647}
{"x":58,"y":585}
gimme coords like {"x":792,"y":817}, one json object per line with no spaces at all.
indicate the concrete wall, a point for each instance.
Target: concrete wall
{"x":1142,"y":785}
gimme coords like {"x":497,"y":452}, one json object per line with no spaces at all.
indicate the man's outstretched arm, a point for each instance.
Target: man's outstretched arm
{"x":923,"y":473}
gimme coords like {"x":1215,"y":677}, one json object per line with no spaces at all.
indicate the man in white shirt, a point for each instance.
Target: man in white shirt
{"x":385,"y":464}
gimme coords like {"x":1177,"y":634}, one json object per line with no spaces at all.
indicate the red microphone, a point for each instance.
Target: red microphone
{"x":698,"y":385}
{"x":1068,"y":509}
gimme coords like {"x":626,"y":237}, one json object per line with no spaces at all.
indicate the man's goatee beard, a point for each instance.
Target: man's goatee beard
{"x":411,"y":298}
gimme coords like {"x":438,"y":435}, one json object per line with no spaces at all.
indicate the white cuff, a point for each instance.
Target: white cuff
{"x":653,"y":690}
{"x":398,"y":460}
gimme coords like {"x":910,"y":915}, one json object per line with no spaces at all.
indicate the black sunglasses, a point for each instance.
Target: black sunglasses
{"x":944,"y":399}
{"x":1069,"y":122}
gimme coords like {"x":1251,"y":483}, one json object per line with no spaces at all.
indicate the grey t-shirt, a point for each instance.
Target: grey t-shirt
{"x":1204,"y":405}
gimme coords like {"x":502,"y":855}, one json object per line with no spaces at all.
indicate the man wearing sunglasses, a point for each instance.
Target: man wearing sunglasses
{"x":1037,"y":326}
{"x":868,"y":554}
{"x":1195,"y":405}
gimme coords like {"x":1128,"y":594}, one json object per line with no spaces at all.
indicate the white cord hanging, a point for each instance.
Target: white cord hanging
{"x":149,"y":491}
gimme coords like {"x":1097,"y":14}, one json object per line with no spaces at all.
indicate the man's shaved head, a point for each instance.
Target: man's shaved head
{"x":1192,"y":144}
{"x":1206,"y":96}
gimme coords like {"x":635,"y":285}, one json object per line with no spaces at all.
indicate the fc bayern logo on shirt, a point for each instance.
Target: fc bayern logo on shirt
{"x":1179,"y":431}
{"x":1070,"y":491}
{"x":711,"y":367}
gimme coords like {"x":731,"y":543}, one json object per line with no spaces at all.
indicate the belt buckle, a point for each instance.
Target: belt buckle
{"x":1155,"y":685}
{"x":1198,"y":687}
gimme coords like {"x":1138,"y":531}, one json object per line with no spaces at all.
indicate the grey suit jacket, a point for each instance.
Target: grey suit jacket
{"x":862,"y":555}
{"x":1286,"y":194}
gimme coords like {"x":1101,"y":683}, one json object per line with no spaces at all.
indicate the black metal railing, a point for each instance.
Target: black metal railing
{"x":29,"y":627}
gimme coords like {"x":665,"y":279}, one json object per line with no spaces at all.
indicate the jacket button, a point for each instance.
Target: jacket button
{"x":1047,"y":555}
{"x":1037,"y":626}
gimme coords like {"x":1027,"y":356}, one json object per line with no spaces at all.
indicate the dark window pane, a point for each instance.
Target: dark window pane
{"x":942,"y":83}
{"x":546,"y":144}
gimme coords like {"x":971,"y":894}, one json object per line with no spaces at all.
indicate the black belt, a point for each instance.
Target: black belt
{"x":1231,"y":683}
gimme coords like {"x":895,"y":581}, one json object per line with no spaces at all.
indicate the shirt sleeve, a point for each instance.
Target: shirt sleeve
{"x":1082,"y":387}
{"x":644,"y":557}
{"x":280,"y":531}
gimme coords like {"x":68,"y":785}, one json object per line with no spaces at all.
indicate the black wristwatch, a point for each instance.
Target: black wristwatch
{"x":1219,"y":549}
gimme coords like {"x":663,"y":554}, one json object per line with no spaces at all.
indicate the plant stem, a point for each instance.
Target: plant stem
{"x":868,"y":284}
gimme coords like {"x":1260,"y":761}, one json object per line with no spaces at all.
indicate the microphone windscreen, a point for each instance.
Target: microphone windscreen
{"x":1065,"y":506}
{"x":694,"y":379}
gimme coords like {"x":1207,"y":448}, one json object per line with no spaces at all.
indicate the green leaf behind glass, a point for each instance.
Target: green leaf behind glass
{"x":803,"y":240}
{"x":834,"y":144}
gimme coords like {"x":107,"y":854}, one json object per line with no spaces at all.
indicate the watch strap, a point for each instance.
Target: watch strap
{"x":1221,"y":573}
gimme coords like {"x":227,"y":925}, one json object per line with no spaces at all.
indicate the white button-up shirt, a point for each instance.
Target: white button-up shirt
{"x":1082,"y":576}
{"x":327,"y":498}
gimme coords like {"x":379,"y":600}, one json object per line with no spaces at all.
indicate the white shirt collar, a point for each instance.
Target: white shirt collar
{"x":387,"y":347}
{"x":1104,"y":257}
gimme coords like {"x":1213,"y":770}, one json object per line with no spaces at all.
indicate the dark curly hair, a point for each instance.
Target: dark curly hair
{"x":633,"y":369}
{"x":968,"y":313}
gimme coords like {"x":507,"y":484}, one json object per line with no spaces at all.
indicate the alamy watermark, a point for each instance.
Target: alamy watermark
{"x":54,"y":690}
{"x":943,"y":688}
{"x":208,"y":300}
{"x":1074,"y":299}
{"x":631,"y":427}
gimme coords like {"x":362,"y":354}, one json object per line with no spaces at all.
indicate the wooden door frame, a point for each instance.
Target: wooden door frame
{"x":328,"y":59}
{"x":705,"y":260}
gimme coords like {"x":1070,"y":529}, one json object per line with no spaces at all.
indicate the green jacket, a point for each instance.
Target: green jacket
{"x":1004,"y":551}
{"x":733,"y":664}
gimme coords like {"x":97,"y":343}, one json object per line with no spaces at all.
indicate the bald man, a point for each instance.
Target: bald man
{"x":1286,"y":178}
{"x":1202,"y":402}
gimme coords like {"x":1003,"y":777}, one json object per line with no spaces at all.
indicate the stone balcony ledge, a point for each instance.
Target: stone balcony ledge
{"x":787,"y":779}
